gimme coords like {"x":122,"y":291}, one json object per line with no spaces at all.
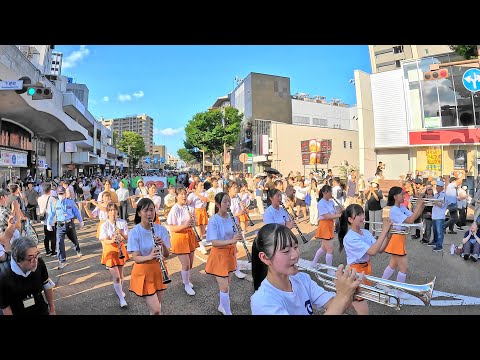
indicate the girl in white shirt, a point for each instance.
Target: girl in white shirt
{"x":237,"y":211}
{"x":222,"y":260}
{"x":275,"y":213}
{"x":360,"y":244}
{"x":197,"y":201}
{"x":280,"y":289}
{"x":300,"y":193}
{"x":144,"y":248}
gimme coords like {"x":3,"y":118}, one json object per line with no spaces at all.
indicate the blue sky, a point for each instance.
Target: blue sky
{"x":171,"y":83}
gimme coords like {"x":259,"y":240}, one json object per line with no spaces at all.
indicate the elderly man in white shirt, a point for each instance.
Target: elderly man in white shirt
{"x":451,"y":199}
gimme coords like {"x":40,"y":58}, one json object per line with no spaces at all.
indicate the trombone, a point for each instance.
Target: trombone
{"x":427,"y":201}
{"x":372,"y":293}
{"x":409,"y":231}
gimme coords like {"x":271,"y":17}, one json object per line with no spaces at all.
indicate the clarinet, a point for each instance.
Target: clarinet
{"x":166,"y":279}
{"x":245,"y":210}
{"x":294,"y":223}
{"x":199,"y":239}
{"x":236,"y":228}
{"x":118,"y":241}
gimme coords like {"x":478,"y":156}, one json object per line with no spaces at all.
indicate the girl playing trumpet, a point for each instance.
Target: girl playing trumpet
{"x":113,"y":234}
{"x":146,"y":278}
{"x":222,"y":260}
{"x":360,"y":244}
{"x":100,"y":210}
{"x":280,"y":289}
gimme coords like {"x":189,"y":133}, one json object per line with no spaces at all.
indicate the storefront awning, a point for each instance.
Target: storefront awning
{"x":42,"y":117}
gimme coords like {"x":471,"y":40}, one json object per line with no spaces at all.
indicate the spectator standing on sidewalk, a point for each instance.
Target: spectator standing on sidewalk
{"x":451,"y":198}
{"x":32,"y":202}
{"x":44,"y":203}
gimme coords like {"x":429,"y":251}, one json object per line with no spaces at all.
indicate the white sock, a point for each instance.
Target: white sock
{"x":202,"y":247}
{"x":185,"y":277}
{"x":388,"y":272}
{"x":118,"y":290}
{"x":319,"y":253}
{"x":329,"y":259}
{"x":189,"y":283}
{"x":225,"y":302}
{"x":401,"y":277}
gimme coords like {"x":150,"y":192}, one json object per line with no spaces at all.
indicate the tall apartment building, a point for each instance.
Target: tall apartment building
{"x":56,"y":63}
{"x":388,"y":57}
{"x":160,"y":151}
{"x":141,"y":124}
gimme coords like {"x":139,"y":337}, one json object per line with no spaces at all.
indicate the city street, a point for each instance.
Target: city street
{"x":84,"y":287}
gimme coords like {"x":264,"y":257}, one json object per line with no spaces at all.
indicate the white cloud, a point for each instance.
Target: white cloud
{"x":72,"y":59}
{"x":138,"y":94}
{"x":167,"y":131}
{"x":124,"y":97}
{"x":106,"y":98}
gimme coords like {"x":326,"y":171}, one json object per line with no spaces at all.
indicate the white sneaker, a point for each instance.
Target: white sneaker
{"x":123,"y":294}
{"x":123,"y":303}
{"x":189,"y":290}
{"x":191,"y":285}
{"x":62,"y":265}
{"x":221,"y":309}
{"x":240,"y":274}
{"x":203,"y":251}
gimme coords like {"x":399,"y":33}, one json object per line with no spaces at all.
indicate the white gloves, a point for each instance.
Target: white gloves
{"x":49,"y":228}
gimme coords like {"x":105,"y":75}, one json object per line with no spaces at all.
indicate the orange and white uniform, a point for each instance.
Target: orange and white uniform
{"x":199,"y":207}
{"x":157,"y":202}
{"x":222,"y":260}
{"x":236,"y":207}
{"x":397,"y":245}
{"x":111,"y":252}
{"x":185,"y":241}
{"x":146,"y":278}
{"x":326,"y":227}
{"x":102,"y":216}
{"x":356,"y":248}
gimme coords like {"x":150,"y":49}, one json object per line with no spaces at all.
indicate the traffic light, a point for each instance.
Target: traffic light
{"x":39,"y":92}
{"x":436,"y":74}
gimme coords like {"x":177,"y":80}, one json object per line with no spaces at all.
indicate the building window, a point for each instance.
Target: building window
{"x":397,"y":63}
{"x":344,"y":144}
{"x":320,"y":122}
{"x":398,"y":49}
{"x":351,"y":147}
{"x":301,"y":120}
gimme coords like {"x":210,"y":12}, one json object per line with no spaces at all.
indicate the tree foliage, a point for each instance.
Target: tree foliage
{"x":467,"y":51}
{"x":206,"y":131}
{"x":132,"y":144}
{"x":185,"y":155}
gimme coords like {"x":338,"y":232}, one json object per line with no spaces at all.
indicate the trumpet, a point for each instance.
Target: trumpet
{"x":199,"y":239}
{"x":372,"y":293}
{"x":244,"y":208}
{"x":237,"y":228}
{"x":116,"y":235}
{"x":294,"y":223}
{"x":411,"y":228}
{"x":166,"y":279}
{"x":427,"y":201}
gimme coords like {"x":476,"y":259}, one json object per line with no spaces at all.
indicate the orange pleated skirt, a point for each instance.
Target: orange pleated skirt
{"x":183,"y":242}
{"x":396,"y":246}
{"x":110,"y":255}
{"x":363,"y":267}
{"x":325,"y":229}
{"x":201,"y":215}
{"x":146,"y":278}
{"x":221,"y":260}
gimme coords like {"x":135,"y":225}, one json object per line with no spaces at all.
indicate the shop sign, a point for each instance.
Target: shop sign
{"x":13,"y":158}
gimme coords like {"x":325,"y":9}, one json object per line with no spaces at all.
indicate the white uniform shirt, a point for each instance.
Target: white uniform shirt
{"x":356,"y":246}
{"x":44,"y":202}
{"x":245,"y":198}
{"x":306,"y":293}
{"x":194,"y":201}
{"x":325,"y":207}
{"x":272,"y":215}
{"x":178,"y":215}
{"x":235,"y":206}
{"x":102,"y":215}
{"x":141,"y":240}
{"x":398,"y":216}
{"x":220,"y":228}
{"x":438,"y":212}
{"x":107,"y":229}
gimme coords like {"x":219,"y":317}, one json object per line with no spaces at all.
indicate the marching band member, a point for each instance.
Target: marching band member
{"x":245,"y":199}
{"x":146,"y":278}
{"x":222,"y":259}
{"x":275,"y":213}
{"x":169,"y":200}
{"x":396,"y":247}
{"x":237,"y":211}
{"x":280,"y":289}
{"x":211,"y":193}
{"x":184,"y":241}
{"x":113,"y":234}
{"x":327,"y":212}
{"x":157,"y":200}
{"x":360,"y":245}
{"x":100,"y":210}
{"x":197,"y":200}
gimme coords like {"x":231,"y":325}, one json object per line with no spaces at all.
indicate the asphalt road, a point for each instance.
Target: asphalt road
{"x":84,"y":287}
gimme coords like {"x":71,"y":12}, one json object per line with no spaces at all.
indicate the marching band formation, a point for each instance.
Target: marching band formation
{"x":216,"y":212}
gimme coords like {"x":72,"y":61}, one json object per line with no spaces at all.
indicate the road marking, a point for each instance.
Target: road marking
{"x":406,"y":299}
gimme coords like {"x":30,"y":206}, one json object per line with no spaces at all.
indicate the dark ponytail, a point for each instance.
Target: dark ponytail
{"x":324,"y":189}
{"x":352,"y":211}
{"x":395,"y":190}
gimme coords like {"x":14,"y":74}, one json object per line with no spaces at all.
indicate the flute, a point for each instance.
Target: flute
{"x":294,"y":224}
{"x":166,"y":279}
{"x":237,"y":228}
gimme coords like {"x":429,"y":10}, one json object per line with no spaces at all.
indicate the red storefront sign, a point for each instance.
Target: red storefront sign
{"x":445,"y":137}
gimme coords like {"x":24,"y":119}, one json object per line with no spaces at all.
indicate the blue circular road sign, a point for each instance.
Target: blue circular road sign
{"x":471,"y":80}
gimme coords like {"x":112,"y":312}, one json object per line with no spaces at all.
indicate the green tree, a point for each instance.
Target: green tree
{"x":207,"y":132}
{"x":185,"y":155}
{"x":467,"y":51}
{"x":132,"y":144}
